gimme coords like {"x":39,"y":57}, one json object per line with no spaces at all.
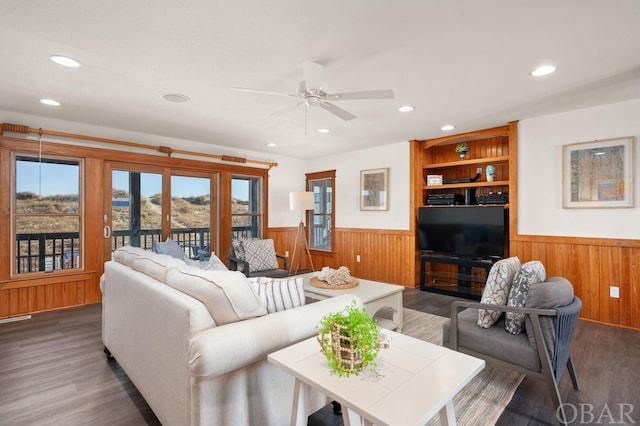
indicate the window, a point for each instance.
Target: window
{"x":191,"y":214}
{"x":47,"y":213}
{"x":321,"y":217}
{"x":246,"y":207}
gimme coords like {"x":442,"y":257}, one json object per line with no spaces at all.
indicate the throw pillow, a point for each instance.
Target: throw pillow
{"x":496,"y":289}
{"x":238,"y":252}
{"x":261,"y":255}
{"x":277,"y":295}
{"x":169,"y":247}
{"x":530,"y":273}
{"x":554,"y":293}
{"x":228,"y":295}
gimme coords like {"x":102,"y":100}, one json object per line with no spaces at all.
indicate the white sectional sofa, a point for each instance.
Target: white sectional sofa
{"x":195,"y":343}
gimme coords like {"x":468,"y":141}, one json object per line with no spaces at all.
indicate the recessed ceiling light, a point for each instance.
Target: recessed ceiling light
{"x":50,"y":102}
{"x":406,"y":108}
{"x":447,"y":127}
{"x":65,"y":61}
{"x":271,"y":144}
{"x":543,"y":70}
{"x":324,"y":130}
{"x":175,"y":98}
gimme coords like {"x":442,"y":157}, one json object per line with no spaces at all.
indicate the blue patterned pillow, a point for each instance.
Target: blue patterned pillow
{"x":169,"y":247}
{"x":261,"y":255}
{"x":530,"y":273}
{"x":277,"y":295}
{"x":496,"y":289}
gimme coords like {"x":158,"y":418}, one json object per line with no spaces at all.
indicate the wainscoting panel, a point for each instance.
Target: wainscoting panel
{"x":593,"y":266}
{"x":27,"y":297}
{"x":385,"y":255}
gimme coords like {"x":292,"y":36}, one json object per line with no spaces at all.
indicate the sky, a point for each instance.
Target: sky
{"x":57,"y":179}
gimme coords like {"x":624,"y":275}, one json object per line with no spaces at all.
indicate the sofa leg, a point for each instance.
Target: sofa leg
{"x":108,"y":352}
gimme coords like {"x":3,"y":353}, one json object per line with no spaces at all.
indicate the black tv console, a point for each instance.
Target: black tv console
{"x":459,"y":284}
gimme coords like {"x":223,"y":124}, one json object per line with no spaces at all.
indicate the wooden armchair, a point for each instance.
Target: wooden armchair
{"x":552,"y":331}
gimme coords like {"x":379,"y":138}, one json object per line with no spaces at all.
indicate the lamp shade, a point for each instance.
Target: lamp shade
{"x":300,"y":200}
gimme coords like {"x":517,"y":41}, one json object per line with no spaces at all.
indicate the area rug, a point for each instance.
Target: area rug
{"x":483,"y":400}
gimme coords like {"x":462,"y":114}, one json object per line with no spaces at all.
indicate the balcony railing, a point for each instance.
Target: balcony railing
{"x":38,"y":252}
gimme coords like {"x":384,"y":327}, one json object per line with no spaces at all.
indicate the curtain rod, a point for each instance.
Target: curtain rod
{"x":18,"y":128}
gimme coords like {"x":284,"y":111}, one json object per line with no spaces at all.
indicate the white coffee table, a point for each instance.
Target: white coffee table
{"x":419,"y":381}
{"x":375,"y":295}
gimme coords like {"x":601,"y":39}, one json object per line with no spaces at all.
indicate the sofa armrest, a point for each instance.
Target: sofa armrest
{"x":226,"y":348}
{"x":235,"y":261}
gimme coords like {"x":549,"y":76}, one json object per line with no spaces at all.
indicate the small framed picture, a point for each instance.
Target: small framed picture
{"x":374,"y":189}
{"x":598,"y":174}
{"x":434,"y":180}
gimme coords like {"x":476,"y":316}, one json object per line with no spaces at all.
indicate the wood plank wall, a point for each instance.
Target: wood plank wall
{"x":592,"y":265}
{"x":385,"y":255}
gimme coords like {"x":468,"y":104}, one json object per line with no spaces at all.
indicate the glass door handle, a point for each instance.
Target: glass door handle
{"x":107,"y":231}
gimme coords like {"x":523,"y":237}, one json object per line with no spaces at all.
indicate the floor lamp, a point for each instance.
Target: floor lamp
{"x":302,"y":201}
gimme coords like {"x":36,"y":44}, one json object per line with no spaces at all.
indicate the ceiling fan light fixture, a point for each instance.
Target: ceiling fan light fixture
{"x":447,"y":127}
{"x":50,"y":102}
{"x":543,"y":70}
{"x":175,"y":98}
{"x":406,"y":108}
{"x":65,"y":61}
{"x":324,"y":130}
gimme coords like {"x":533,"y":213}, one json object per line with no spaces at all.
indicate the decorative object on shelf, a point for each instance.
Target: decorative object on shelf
{"x":335,"y":279}
{"x":491,"y":173}
{"x":462,"y":149}
{"x":434,"y":180}
{"x":350,"y":340}
{"x":300,"y":201}
{"x":374,"y":189}
{"x":598,"y":174}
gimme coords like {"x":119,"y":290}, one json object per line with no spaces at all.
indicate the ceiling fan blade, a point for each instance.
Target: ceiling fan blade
{"x":286,"y":110}
{"x":266,"y":92}
{"x":336,"y":110}
{"x":312,"y":75}
{"x":367,"y":94}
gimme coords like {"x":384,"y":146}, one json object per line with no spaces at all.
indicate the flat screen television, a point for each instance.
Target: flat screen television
{"x":469,"y":231}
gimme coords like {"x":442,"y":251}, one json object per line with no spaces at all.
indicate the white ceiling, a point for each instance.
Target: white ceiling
{"x":465,"y":62}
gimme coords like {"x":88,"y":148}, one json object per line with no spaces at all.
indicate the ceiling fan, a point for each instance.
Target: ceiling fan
{"x":311,"y":92}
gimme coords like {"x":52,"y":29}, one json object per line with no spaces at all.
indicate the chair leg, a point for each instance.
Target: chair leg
{"x":572,"y":373}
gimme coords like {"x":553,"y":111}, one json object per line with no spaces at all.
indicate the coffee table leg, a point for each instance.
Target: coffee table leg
{"x":448,"y":415}
{"x":296,"y":400}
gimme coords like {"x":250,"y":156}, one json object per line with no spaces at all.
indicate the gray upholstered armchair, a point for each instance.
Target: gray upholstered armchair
{"x":542,"y":351}
{"x":257,"y":258}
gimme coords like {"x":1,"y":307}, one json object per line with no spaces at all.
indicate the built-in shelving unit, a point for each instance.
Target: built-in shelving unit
{"x":495,"y":146}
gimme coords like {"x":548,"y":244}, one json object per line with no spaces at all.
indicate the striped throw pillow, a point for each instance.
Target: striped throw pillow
{"x":279,"y":294}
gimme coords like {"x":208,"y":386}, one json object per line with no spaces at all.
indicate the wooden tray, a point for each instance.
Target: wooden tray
{"x":316,"y":282}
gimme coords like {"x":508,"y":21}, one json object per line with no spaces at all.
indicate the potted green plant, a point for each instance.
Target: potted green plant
{"x":349,"y":339}
{"x":462,"y":149}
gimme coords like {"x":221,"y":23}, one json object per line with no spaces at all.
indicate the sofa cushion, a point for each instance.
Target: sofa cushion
{"x":170,"y":248}
{"x":127,"y":254}
{"x":279,"y":294}
{"x":496,"y":289}
{"x":530,"y":273}
{"x":261,"y":255}
{"x":228,"y":295}
{"x":156,"y":265}
{"x":551,"y":294}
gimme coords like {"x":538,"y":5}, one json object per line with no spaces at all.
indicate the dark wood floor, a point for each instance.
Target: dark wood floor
{"x":53,"y":371}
